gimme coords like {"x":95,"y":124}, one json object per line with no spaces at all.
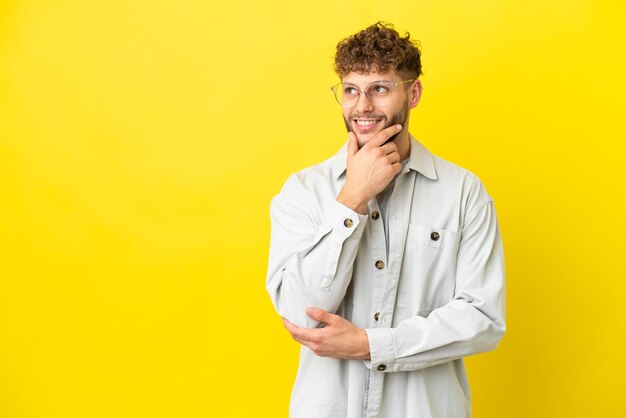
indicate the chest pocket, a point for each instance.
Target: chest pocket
{"x":428,"y":269}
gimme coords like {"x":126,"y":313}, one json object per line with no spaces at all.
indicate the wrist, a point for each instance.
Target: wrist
{"x":356,"y":202}
{"x":366,"y":346}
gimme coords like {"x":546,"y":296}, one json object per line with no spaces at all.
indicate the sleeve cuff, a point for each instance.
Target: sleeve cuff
{"x":345,"y":225}
{"x":342,"y":218}
{"x":382,"y":349}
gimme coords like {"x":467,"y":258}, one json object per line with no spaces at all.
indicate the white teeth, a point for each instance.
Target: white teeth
{"x":365,"y":122}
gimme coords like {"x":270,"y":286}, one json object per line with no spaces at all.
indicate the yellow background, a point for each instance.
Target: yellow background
{"x":141,"y":142}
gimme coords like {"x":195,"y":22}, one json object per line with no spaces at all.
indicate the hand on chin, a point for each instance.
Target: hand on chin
{"x":365,"y":138}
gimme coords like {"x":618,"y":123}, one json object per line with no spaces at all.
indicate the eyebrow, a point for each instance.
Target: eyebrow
{"x":373,"y":82}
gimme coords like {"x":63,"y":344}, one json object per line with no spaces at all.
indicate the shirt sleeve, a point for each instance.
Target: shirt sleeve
{"x":472,"y":322}
{"x":314,"y":241}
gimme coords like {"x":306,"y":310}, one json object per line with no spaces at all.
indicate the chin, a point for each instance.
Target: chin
{"x":365,"y":138}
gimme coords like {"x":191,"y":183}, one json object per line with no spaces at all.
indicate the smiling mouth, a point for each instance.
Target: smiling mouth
{"x":366,"y":122}
{"x":364,"y":125}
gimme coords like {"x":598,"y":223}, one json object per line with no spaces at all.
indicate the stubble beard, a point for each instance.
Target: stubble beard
{"x":396,"y":118}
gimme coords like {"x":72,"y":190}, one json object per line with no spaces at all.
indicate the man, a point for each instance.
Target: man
{"x":386,"y":261}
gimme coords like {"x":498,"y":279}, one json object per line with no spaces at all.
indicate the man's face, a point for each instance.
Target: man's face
{"x":364,"y":118}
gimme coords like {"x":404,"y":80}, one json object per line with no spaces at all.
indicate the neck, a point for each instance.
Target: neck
{"x":404,"y":144}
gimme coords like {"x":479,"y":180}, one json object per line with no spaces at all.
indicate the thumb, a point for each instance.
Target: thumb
{"x":319,"y":315}
{"x":353,"y":144}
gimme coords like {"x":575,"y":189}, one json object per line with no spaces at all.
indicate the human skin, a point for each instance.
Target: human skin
{"x":371,"y":165}
{"x":339,"y":338}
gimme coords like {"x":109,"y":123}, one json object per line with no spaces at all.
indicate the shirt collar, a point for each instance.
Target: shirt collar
{"x":420,"y":160}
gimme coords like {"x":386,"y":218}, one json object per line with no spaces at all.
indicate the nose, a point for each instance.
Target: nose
{"x":363,"y":104}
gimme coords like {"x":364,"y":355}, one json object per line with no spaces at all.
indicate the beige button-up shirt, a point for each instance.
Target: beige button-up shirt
{"x":437,"y":296}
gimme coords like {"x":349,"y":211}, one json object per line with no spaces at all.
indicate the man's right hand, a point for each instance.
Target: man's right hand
{"x":370,"y":169}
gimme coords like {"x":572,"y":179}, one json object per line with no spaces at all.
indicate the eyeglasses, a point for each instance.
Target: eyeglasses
{"x":378,"y":93}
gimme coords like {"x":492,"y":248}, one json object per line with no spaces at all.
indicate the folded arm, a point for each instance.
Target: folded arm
{"x":472,"y":322}
{"x":313,"y":246}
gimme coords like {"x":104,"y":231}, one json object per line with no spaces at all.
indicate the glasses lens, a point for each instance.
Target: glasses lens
{"x":348,"y":95}
{"x":378,"y":94}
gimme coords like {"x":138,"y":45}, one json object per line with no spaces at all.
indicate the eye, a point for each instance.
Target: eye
{"x":350,"y":91}
{"x":379,"y":89}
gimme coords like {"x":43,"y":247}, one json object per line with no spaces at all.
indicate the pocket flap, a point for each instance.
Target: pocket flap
{"x":430,"y":236}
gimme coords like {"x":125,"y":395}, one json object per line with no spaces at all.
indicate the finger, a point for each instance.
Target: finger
{"x":389,"y":147}
{"x":295,"y":338}
{"x":394,"y":157}
{"x":300,"y":340}
{"x":353,"y":144}
{"x":383,"y":136}
{"x":290,"y":327}
{"x":302,"y":335}
{"x":320,"y":315}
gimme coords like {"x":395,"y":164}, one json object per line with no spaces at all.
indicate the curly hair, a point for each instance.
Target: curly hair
{"x":378,"y":48}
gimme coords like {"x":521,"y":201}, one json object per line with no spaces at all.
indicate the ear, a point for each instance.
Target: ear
{"x":415,"y":93}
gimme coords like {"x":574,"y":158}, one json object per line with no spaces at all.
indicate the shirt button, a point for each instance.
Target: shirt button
{"x":348,"y":223}
{"x":375,"y":215}
{"x":376,"y":315}
{"x":379,"y":265}
{"x":381,"y":368}
{"x":434,"y":236}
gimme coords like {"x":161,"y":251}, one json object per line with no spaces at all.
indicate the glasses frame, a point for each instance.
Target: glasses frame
{"x":387,"y":83}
